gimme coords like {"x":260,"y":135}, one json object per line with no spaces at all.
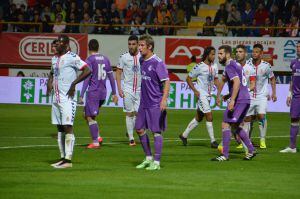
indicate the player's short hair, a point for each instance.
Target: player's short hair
{"x":242,"y":47}
{"x":149,"y":40}
{"x":258,"y":46}
{"x":207,"y":50}
{"x":226,"y":48}
{"x":193,"y":58}
{"x":93,"y":45}
{"x":54,"y":41}
{"x":133,"y":38}
{"x":63,"y":38}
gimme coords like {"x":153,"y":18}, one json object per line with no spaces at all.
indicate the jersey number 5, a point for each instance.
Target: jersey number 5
{"x":101,"y":72}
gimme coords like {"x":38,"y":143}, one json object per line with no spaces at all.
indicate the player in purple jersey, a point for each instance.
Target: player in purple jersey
{"x":238,"y":105}
{"x":64,"y":106}
{"x":293,"y":100}
{"x":152,"y":113}
{"x":96,"y":94}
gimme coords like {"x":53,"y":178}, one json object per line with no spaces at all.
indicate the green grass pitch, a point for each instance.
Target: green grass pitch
{"x":109,"y":172}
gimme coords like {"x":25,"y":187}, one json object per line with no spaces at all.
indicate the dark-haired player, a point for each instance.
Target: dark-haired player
{"x":96,"y":94}
{"x":206,"y":73}
{"x":64,"y":79}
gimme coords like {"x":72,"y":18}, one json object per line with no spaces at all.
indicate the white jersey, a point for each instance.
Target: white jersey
{"x":64,"y":70}
{"x":263,"y":73}
{"x":205,"y":75}
{"x":131,"y":72}
{"x":250,"y":73}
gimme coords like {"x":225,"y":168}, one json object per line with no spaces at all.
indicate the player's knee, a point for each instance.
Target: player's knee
{"x":225,"y":126}
{"x":130,"y":114}
{"x":157,"y":134}
{"x":248,"y":119}
{"x":209,"y":117}
{"x":295,"y":121}
{"x":140,"y":132}
{"x":68,"y":128}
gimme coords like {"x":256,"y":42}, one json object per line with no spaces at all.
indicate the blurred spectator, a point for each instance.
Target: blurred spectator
{"x":46,"y":26}
{"x":101,"y":29}
{"x":36,"y":19}
{"x":244,"y":31}
{"x":117,"y":30}
{"x":20,"y":74}
{"x":221,"y":29}
{"x":21,"y":27}
{"x":267,"y":4}
{"x":208,"y":31}
{"x":132,"y":12}
{"x":293,"y":27}
{"x":180,"y":15}
{"x":73,"y":9}
{"x":86,"y":8}
{"x":261,"y":14}
{"x":103,"y":4}
{"x":155,"y":30}
{"x":60,"y":25}
{"x":47,"y":12}
{"x":97,"y":15}
{"x":274,"y":14}
{"x":137,"y":30}
{"x":266,"y":31}
{"x":247,"y":14}
{"x":83,"y":28}
{"x":72,"y":28}
{"x":234,"y":19}
{"x":167,"y":30}
{"x":22,"y":11}
{"x":253,"y":32}
{"x":162,"y":13}
{"x":294,"y":12}
{"x":113,"y":13}
{"x":149,"y":14}
{"x":221,"y":14}
{"x":58,"y":10}
{"x":285,"y":7}
{"x":280,"y":32}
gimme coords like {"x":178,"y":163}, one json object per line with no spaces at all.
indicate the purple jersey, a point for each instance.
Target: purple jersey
{"x":233,"y":70}
{"x":295,"y":66}
{"x":101,"y":69}
{"x":154,"y":72}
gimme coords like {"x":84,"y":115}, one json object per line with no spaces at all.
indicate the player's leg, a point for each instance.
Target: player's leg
{"x":140,"y":126}
{"x":262,"y":124}
{"x":210,"y":129}
{"x":94,"y":131}
{"x":130,"y":116}
{"x":191,"y":126}
{"x":226,"y":136}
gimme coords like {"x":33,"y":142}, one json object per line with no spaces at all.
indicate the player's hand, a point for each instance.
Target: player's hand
{"x":218,"y":100}
{"x":268,"y":97}
{"x":49,"y":90}
{"x":197,"y":93}
{"x":163,"y":104}
{"x":115,"y":99}
{"x":231,"y":105}
{"x":274,"y":98}
{"x":80,"y":101}
{"x":288,"y":101}
{"x":71,"y":91}
{"x":121,"y":94}
{"x":225,"y":97}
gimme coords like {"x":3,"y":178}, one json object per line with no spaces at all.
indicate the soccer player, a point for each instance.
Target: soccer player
{"x":206,"y":73}
{"x":293,"y":100}
{"x":96,"y":94}
{"x":63,"y":77}
{"x":260,"y":95}
{"x":129,"y":65}
{"x":152,"y":113}
{"x":238,"y":105}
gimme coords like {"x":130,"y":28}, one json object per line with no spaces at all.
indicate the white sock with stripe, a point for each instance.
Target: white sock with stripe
{"x":69,"y":145}
{"x":61,"y":143}
{"x":130,"y":121}
{"x":210,"y":130}
{"x":193,"y":124}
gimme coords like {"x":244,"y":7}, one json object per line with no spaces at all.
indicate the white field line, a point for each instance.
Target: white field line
{"x":107,"y":143}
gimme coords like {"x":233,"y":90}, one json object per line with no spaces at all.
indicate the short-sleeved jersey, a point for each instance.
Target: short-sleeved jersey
{"x":295,"y":66}
{"x":131,"y":72}
{"x":154,"y":73}
{"x":235,"y":70}
{"x":205,"y":74}
{"x":263,"y":73}
{"x":65,"y":69}
{"x":100,"y":68}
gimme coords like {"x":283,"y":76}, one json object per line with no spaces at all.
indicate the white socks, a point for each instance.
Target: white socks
{"x":210,"y":130}
{"x":61,"y":143}
{"x":130,"y":124}
{"x":193,"y":124}
{"x":246,"y":127}
{"x":69,"y":145}
{"x":262,"y":124}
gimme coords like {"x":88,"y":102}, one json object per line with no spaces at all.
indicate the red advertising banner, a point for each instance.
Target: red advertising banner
{"x":35,"y":49}
{"x":179,"y":51}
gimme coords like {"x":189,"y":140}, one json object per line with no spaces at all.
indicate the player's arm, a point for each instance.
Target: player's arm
{"x":189,"y":81}
{"x":84,"y":87}
{"x":289,"y":97}
{"x":252,"y":83}
{"x":235,"y":90}
{"x":273,"y":84}
{"x":118,"y":78}
{"x":49,"y":83}
{"x":220,"y":88}
{"x":113,"y":87}
{"x":164,"y":101}
{"x":84,"y":74}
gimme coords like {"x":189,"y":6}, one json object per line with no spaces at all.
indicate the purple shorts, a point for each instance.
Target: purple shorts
{"x":151,"y":118}
{"x":92,"y":106}
{"x":295,"y":108}
{"x":237,"y":115}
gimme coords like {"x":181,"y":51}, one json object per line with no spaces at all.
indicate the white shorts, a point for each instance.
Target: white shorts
{"x":204,"y":104}
{"x":63,"y":113}
{"x":258,"y":106}
{"x":131,"y":101}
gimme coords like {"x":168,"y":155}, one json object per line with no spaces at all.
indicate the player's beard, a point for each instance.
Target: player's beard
{"x":223,"y":61}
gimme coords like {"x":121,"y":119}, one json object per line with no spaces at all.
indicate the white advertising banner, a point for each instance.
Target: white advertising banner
{"x":16,"y":90}
{"x":176,"y":51}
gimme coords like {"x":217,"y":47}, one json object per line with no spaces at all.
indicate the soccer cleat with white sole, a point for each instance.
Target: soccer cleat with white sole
{"x":144,"y":164}
{"x":249,"y":156}
{"x":220,"y":158}
{"x":64,"y":165}
{"x":262,"y":144}
{"x":288,"y":150}
{"x":153,"y":166}
{"x":57,"y":163}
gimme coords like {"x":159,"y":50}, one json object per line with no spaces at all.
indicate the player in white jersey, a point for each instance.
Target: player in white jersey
{"x":206,"y":73}
{"x":62,"y":80}
{"x":130,"y":90}
{"x":260,"y":95}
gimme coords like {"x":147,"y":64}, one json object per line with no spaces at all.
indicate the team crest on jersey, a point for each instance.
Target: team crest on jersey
{"x":210,"y":78}
{"x":68,"y":119}
{"x":150,"y":68}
